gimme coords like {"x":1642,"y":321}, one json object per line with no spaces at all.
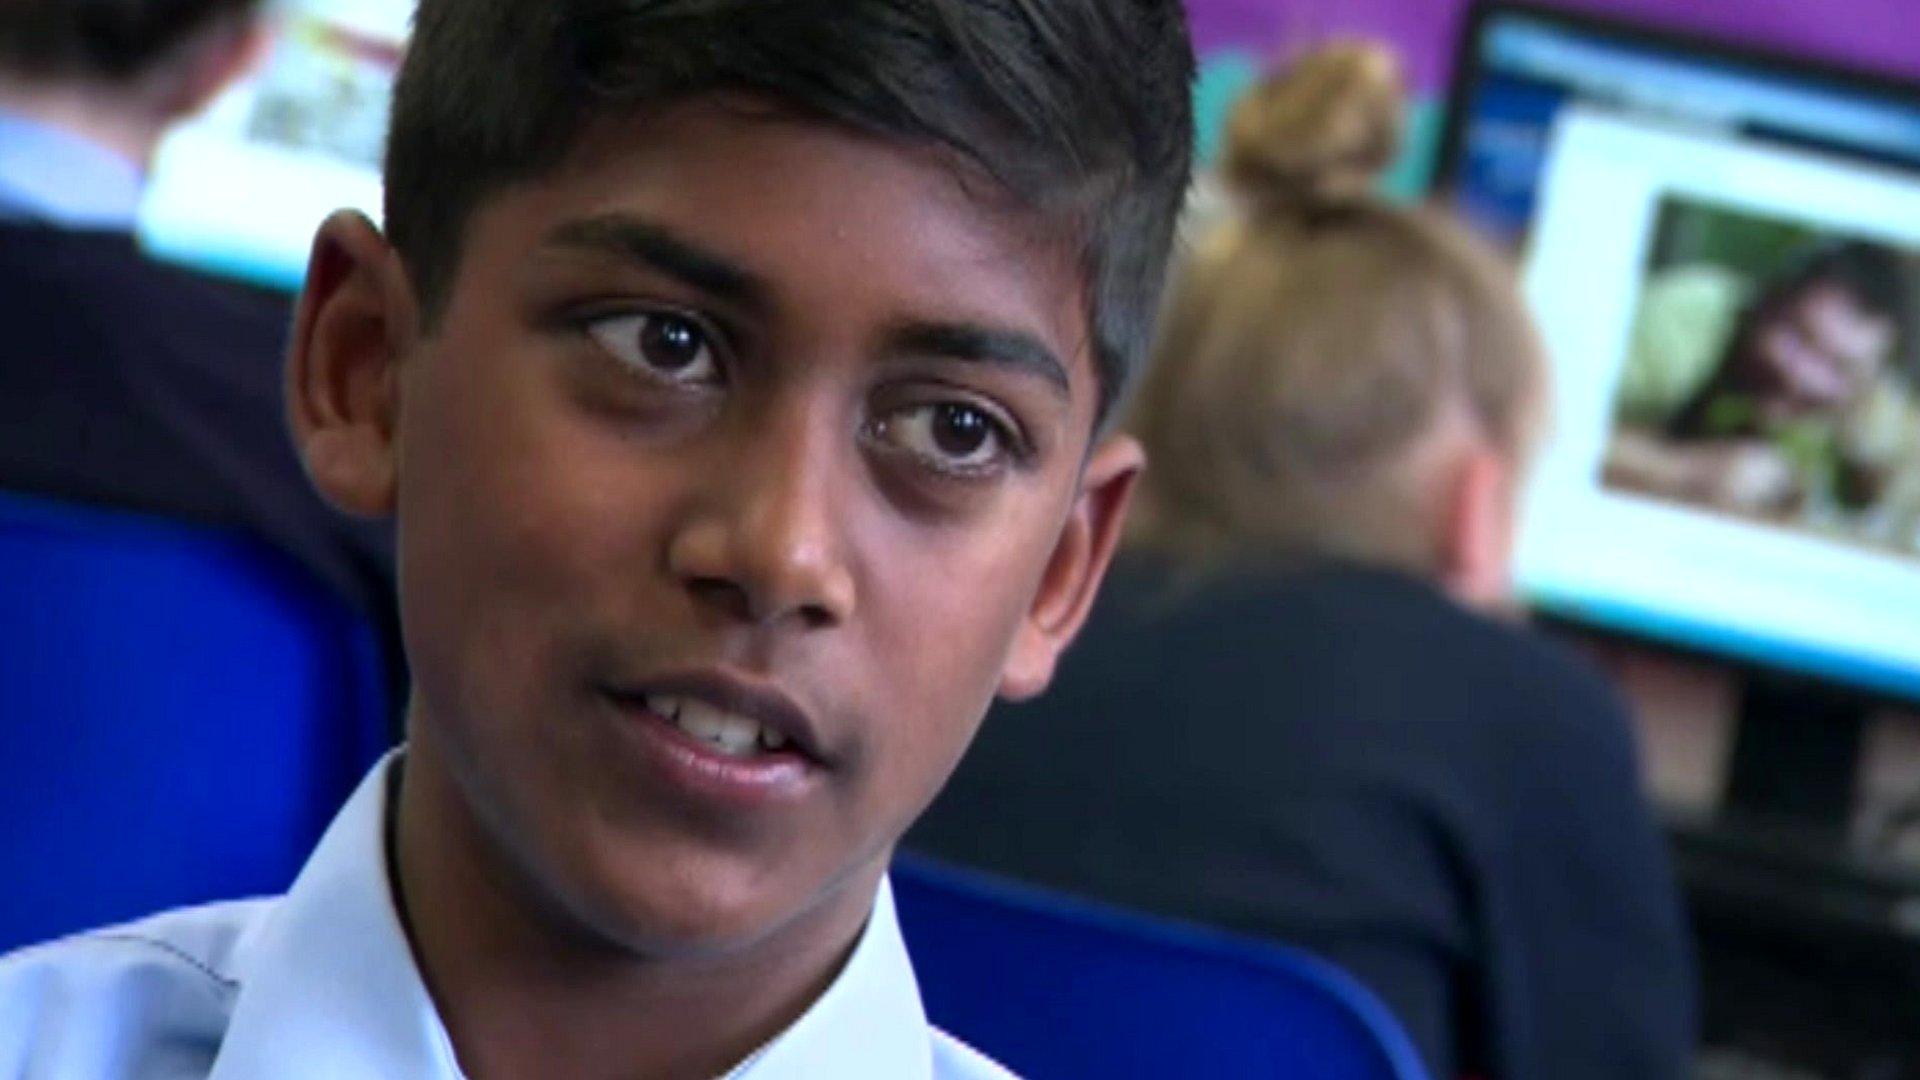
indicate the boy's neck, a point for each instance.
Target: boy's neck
{"x":525,"y":991}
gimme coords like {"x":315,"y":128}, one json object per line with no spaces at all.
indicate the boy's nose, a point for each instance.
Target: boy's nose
{"x":767,"y":545}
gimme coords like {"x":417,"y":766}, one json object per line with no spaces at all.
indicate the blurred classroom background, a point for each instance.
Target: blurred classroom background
{"x":1779,"y":734}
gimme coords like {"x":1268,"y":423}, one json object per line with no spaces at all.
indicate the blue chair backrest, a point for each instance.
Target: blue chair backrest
{"x":1058,"y":989}
{"x":181,"y":712}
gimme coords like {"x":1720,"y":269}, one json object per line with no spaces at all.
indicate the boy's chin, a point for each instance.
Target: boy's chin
{"x":693,"y":904}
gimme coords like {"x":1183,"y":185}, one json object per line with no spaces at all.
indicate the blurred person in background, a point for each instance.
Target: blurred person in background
{"x":1295,"y":712}
{"x":123,"y":381}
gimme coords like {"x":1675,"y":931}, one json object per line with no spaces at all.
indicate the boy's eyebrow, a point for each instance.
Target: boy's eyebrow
{"x":642,"y":241}
{"x":982,"y":344}
{"x":638,"y":240}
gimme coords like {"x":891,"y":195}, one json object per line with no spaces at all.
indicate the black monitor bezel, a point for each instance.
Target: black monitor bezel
{"x":1468,"y":67}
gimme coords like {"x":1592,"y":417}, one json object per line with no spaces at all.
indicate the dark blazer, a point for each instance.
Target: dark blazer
{"x":1342,"y":758}
{"x":129,"y":383}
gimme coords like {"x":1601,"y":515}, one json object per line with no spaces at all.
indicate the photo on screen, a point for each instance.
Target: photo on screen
{"x":326,"y":89}
{"x":1772,"y":373}
{"x":308,"y":126}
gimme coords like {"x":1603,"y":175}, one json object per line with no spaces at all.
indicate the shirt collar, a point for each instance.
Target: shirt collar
{"x":52,"y":175}
{"x":329,"y":987}
{"x":869,"y":1025}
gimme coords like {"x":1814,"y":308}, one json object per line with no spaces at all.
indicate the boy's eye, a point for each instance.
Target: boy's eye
{"x":951,"y":436}
{"x":667,"y":346}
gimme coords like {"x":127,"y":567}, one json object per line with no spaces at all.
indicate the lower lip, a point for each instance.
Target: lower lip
{"x":696,"y":767}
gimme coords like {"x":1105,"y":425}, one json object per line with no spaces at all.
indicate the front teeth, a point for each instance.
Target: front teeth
{"x":730,"y":733}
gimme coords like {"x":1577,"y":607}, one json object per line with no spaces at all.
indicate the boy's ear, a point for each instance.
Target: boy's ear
{"x":1079,"y":562}
{"x":357,"y":317}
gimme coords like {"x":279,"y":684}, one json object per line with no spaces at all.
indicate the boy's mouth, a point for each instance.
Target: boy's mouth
{"x":728,"y":716}
{"x":730,"y":733}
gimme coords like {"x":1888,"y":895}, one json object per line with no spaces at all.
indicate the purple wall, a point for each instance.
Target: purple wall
{"x":1881,"y":35}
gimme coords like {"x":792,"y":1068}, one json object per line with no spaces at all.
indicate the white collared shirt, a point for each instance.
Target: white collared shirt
{"x":57,"y":177}
{"x":321,"y":985}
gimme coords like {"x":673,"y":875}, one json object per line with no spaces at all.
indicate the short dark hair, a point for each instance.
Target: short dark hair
{"x":1080,"y":109}
{"x":106,"y":40}
{"x":1869,"y":273}
{"x":1873,"y":276}
{"x":1880,"y":280}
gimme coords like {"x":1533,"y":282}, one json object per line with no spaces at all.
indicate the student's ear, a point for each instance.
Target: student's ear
{"x":1476,"y":531}
{"x":1079,"y":562}
{"x":355,"y":321}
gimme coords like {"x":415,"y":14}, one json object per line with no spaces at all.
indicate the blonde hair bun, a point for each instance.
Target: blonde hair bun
{"x":1318,"y":133}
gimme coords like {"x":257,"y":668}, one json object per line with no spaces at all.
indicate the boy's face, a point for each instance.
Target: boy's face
{"x":748,"y":459}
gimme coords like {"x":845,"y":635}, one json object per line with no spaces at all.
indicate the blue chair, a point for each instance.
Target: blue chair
{"x":182,"y":710}
{"x":1057,"y":989}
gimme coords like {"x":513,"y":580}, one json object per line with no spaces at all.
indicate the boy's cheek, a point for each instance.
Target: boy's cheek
{"x":949,"y":661}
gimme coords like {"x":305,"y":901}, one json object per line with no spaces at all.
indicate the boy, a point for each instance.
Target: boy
{"x":733,"y":369}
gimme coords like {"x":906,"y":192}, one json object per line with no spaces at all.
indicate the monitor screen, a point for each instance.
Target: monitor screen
{"x":239,"y":189}
{"x":1723,"y":251}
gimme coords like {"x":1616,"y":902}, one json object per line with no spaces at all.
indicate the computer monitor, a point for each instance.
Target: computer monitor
{"x":1723,"y":250}
{"x":239,"y":189}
